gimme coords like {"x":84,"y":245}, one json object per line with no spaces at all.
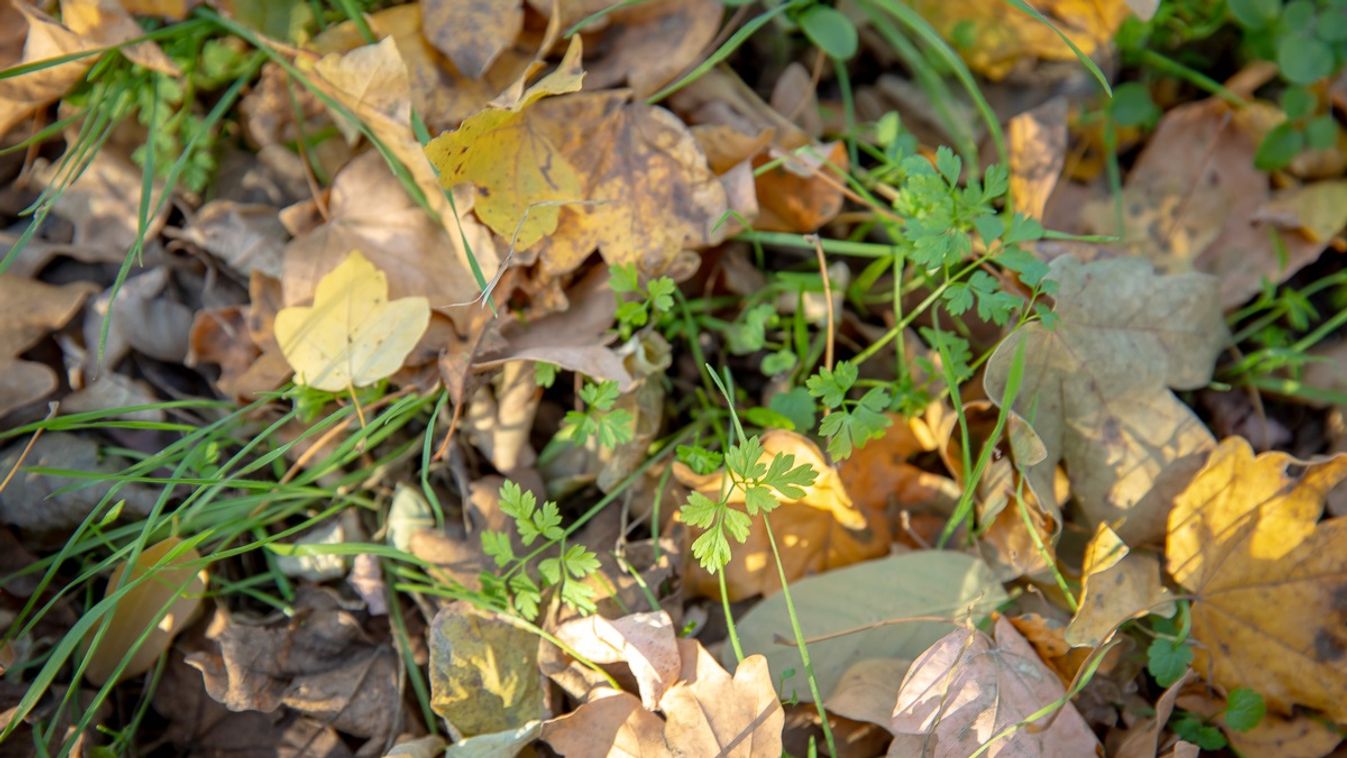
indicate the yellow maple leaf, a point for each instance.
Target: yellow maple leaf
{"x":1269,"y":581}
{"x":521,"y":178}
{"x":352,"y":335}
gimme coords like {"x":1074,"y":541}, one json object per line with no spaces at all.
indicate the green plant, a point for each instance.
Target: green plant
{"x":636,"y":303}
{"x":599,"y":419}
{"x":850,"y":423}
{"x":565,"y":571}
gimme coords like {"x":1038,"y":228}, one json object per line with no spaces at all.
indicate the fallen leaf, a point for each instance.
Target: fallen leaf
{"x":111,"y":391}
{"x":1266,"y":577}
{"x":521,"y":178}
{"x":870,"y":603}
{"x":868,"y":690}
{"x":508,"y":742}
{"x":107,"y":23}
{"x":820,"y":531}
{"x":50,"y":502}
{"x":33,"y":309}
{"x":372,"y":82}
{"x":352,"y":335}
{"x":103,"y":212}
{"x":483,"y":671}
{"x":143,"y":318}
{"x":711,"y":713}
{"x":1143,"y":739}
{"x":649,"y":44}
{"x":248,"y":237}
{"x":1096,"y":388}
{"x":648,"y":190}
{"x":1298,"y":736}
{"x":644,"y":641}
{"x":1117,"y":585}
{"x":1318,"y":211}
{"x":802,"y":193}
{"x":967,"y":688}
{"x":499,"y":418}
{"x":319,"y":664}
{"x":176,"y":585}
{"x":1007,"y":37}
{"x":1037,"y":140}
{"x":473,"y":34}
{"x":176,"y":10}
{"x":615,"y":726}
{"x":1194,"y":201}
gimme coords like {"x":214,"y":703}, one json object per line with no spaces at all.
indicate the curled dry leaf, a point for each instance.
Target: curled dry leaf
{"x":887,"y":608}
{"x":968,"y":688}
{"x":352,"y":335}
{"x":644,"y":641}
{"x":1096,"y":388}
{"x":1118,"y":585}
{"x":32,"y":310}
{"x":483,"y":671}
{"x":165,"y":600}
{"x":820,"y":531}
{"x":473,"y":34}
{"x":1268,"y":578}
{"x":648,"y":191}
{"x":1008,"y":37}
{"x":522,"y":179}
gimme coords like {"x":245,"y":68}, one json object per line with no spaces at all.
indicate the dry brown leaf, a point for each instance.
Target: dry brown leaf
{"x":1268,"y":579}
{"x":820,"y":531}
{"x":711,"y":713}
{"x":373,"y":83}
{"x":651,"y":43}
{"x":1193,"y":202}
{"x":170,"y":592}
{"x":522,"y":180}
{"x":1275,"y":736}
{"x":868,"y":690}
{"x":107,"y":23}
{"x":473,"y":33}
{"x":1037,"y":140}
{"x":1143,"y":739}
{"x":649,"y":190}
{"x":1117,"y":585}
{"x":103,"y":204}
{"x":644,"y":641}
{"x":371,"y":213}
{"x":21,"y":96}
{"x":1008,"y":38}
{"x":32,"y":309}
{"x":803,"y":193}
{"x":615,"y":726}
{"x":1096,"y":388}
{"x":42,"y":502}
{"x":1318,"y":211}
{"x":499,"y":419}
{"x":145,"y":319}
{"x":967,"y":688}
{"x":248,"y":237}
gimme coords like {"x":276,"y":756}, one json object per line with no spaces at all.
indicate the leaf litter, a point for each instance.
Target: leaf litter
{"x":622,"y":380}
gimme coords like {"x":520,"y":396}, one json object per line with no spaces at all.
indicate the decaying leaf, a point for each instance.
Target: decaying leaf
{"x":1195,"y":201}
{"x":615,"y":726}
{"x":473,"y":34}
{"x":1037,"y":153}
{"x":483,"y":671}
{"x":32,"y":310}
{"x":873,"y":603}
{"x":650,"y":43}
{"x":171,"y":592}
{"x":711,"y":713}
{"x":43,"y":502}
{"x":521,"y":177}
{"x":644,"y":641}
{"x":1007,"y":37}
{"x":647,"y":189}
{"x":967,"y":688}
{"x":1096,"y":388}
{"x":1143,"y":739}
{"x":1244,"y":538}
{"x":804,"y":192}
{"x":868,"y":690}
{"x":821,"y":530}
{"x":102,"y":204}
{"x":352,"y":335}
{"x":1118,"y":584}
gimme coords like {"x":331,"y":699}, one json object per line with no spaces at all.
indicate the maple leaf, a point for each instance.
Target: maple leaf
{"x":352,"y":335}
{"x":522,"y":178}
{"x":1268,"y":578}
{"x":1096,"y":388}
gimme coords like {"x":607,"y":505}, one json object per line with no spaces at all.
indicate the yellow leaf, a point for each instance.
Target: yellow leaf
{"x":1118,"y":585}
{"x":1269,"y":582}
{"x":522,"y":179}
{"x":176,"y":584}
{"x":352,"y":335}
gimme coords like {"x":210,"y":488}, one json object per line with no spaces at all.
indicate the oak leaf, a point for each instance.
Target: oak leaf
{"x":1096,"y":387}
{"x":352,"y":335}
{"x":1268,"y":579}
{"x":521,"y":177}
